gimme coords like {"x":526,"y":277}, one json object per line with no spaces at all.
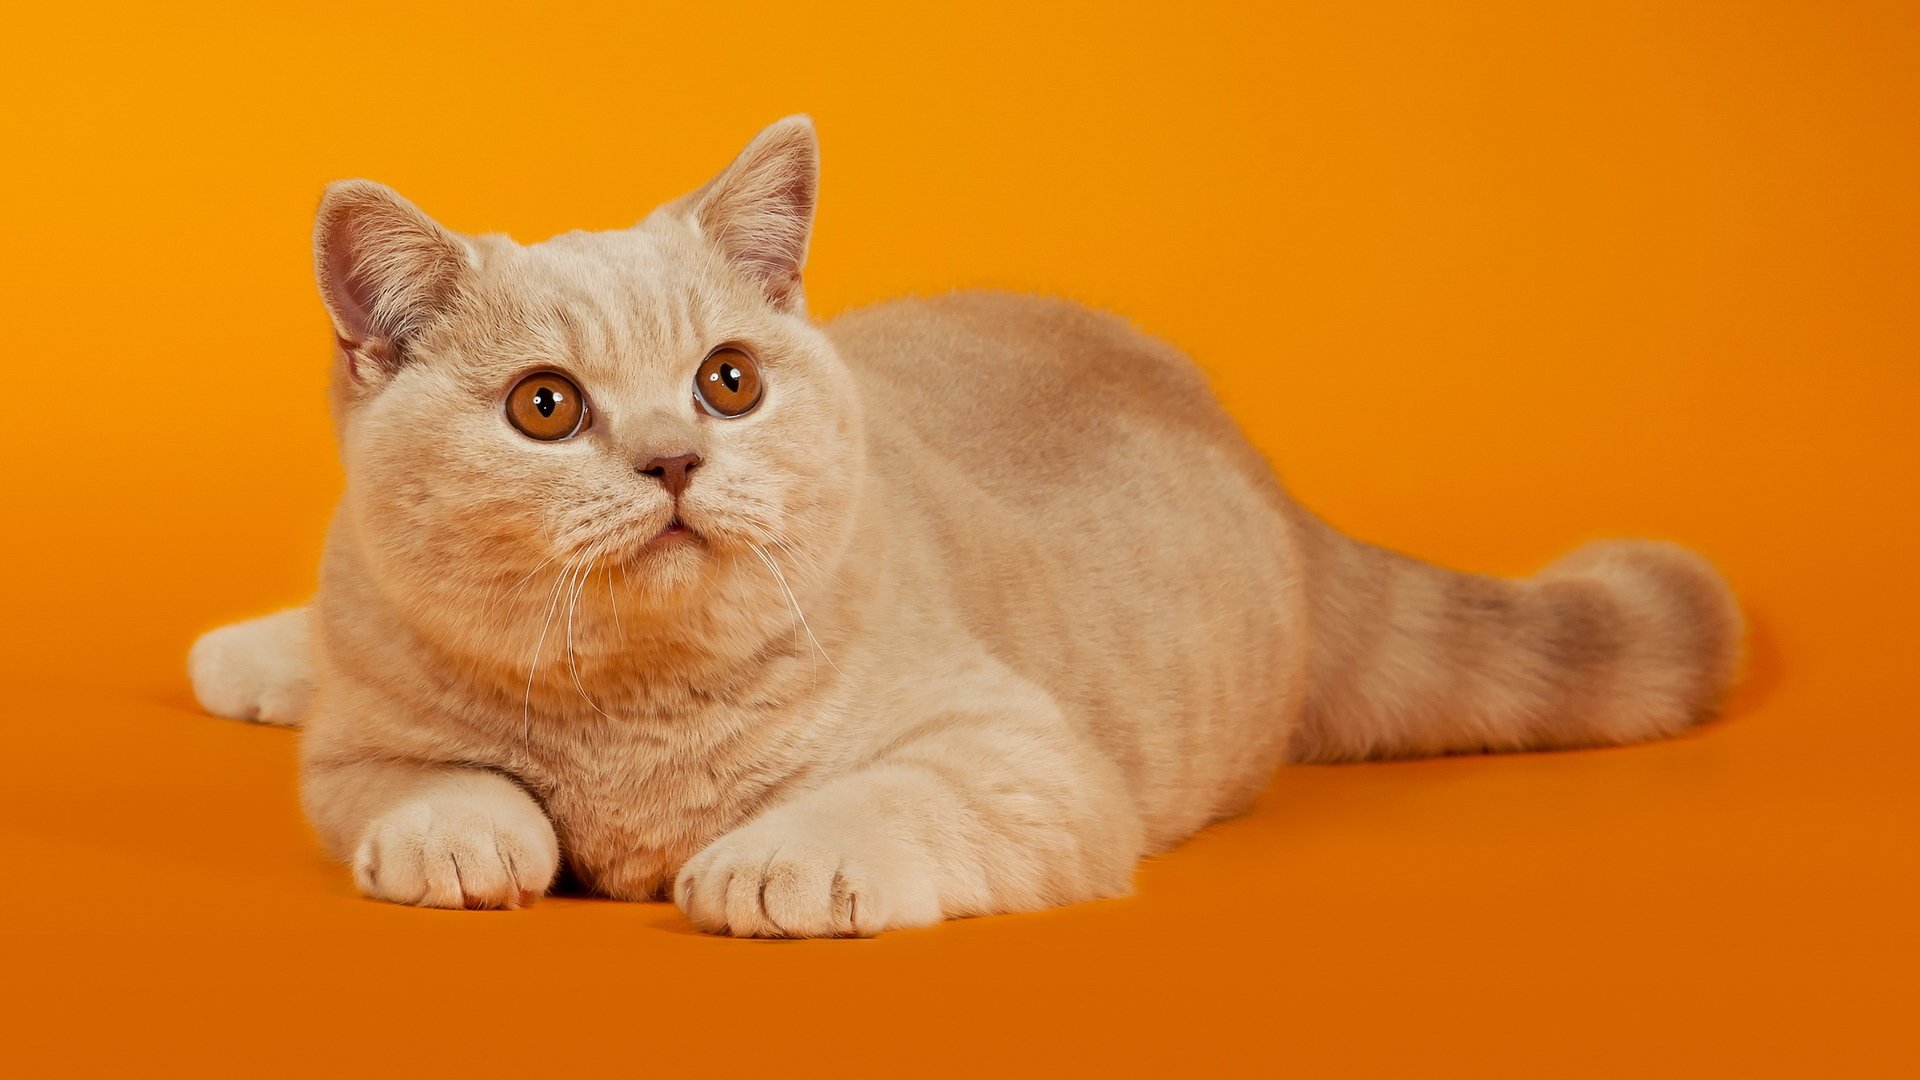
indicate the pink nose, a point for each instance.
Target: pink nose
{"x":674,"y":473}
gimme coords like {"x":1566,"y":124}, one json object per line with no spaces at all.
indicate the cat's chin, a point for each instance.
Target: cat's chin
{"x":676,"y":544}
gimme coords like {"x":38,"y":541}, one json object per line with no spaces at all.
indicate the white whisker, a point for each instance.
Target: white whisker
{"x":795,"y":601}
{"x":613,"y":600}
{"x":806,"y":558}
{"x":573,"y":604}
{"x":526,"y":702}
{"x":515,"y":588}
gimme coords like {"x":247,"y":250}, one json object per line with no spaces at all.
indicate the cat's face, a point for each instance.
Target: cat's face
{"x":642,"y":418}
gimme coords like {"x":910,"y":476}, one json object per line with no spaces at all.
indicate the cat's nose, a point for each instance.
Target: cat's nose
{"x":672,"y":472}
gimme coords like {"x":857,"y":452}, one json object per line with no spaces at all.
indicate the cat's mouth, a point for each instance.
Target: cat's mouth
{"x":673,"y":534}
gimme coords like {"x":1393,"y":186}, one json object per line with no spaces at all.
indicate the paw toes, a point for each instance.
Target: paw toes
{"x":749,"y":889}
{"x":744,"y":915}
{"x":255,"y":671}
{"x":451,"y":860}
{"x":798,"y":897}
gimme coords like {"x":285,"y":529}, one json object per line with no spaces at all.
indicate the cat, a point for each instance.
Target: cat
{"x":947,"y":607}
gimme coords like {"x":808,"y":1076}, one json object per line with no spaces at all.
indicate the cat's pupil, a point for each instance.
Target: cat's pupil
{"x":732,"y":379}
{"x":546,"y":400}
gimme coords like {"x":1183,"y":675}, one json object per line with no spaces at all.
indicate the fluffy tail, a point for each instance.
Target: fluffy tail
{"x":1618,"y":642}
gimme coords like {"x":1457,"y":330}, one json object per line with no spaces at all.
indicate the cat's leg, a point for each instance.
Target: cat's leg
{"x":986,"y":802}
{"x":256,"y":670}
{"x":436,"y":835}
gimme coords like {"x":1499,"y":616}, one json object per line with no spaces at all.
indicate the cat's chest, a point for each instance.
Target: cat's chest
{"x":632,"y":802}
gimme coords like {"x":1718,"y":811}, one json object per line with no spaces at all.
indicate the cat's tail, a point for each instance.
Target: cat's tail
{"x":1618,"y":642}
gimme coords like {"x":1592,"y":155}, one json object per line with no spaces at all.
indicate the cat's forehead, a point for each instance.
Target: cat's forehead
{"x":607,"y":303}
{"x":616,"y":271}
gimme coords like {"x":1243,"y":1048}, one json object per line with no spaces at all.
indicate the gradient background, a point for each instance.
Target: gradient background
{"x":1483,"y":280}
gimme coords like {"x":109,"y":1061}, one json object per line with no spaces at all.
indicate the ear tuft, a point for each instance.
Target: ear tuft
{"x":384,"y":268}
{"x":759,"y":212}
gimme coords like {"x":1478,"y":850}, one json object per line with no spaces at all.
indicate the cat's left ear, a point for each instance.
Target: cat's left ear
{"x":759,"y":212}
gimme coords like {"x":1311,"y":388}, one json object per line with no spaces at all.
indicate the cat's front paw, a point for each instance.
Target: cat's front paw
{"x":767,"y":880}
{"x":255,"y":670}
{"x":458,"y":853}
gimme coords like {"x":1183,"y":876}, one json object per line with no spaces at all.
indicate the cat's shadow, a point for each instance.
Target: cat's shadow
{"x":660,"y":915}
{"x":1765,"y":669}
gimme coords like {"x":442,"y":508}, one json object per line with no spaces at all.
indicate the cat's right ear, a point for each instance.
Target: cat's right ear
{"x":384,"y":268}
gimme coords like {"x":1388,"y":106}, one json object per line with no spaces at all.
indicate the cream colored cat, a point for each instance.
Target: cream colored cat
{"x":948,"y":607}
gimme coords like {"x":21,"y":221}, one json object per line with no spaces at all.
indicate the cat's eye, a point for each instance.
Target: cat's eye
{"x":547,"y":406}
{"x":728,"y":383}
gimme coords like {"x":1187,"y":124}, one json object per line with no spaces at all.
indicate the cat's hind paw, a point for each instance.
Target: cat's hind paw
{"x":256,"y":670}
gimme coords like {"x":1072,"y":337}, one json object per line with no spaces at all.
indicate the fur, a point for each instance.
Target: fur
{"x":988,"y":600}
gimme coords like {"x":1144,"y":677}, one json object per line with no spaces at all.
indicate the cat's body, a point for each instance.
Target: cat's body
{"x":1007,"y":604}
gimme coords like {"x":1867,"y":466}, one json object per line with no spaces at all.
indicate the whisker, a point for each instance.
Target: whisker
{"x":533,"y":665}
{"x":613,"y":600}
{"x":506,"y":594}
{"x":795,"y":601}
{"x":811,"y":561}
{"x":573,"y":604}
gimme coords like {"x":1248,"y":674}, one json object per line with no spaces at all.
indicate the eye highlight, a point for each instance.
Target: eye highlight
{"x":728,"y":383}
{"x":547,"y":406}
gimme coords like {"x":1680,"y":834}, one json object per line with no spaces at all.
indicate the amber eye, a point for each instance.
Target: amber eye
{"x":547,"y":407}
{"x":728,"y":383}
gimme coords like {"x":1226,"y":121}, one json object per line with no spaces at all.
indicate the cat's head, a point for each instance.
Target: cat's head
{"x":646,"y":412}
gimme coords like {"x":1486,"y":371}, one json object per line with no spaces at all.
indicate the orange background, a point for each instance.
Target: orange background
{"x":1483,"y":280}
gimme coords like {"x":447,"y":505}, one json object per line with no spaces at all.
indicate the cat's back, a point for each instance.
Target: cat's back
{"x":1068,"y":489}
{"x":1037,"y":392}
